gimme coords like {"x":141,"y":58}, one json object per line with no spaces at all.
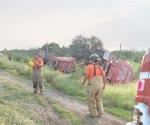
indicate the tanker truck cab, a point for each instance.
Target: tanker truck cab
{"x":141,"y":113}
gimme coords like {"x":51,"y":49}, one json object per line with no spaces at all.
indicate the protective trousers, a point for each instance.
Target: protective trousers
{"x":95,"y":91}
{"x":37,"y":80}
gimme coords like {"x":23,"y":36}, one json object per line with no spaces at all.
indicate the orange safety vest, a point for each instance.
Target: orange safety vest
{"x":38,"y":63}
{"x":94,"y":70}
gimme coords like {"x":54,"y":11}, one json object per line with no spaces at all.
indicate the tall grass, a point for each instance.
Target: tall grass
{"x":13,"y":105}
{"x":64,"y":113}
{"x":122,"y":96}
{"x":18,"y":68}
{"x":117,"y":99}
{"x":114,"y":95}
{"x":136,"y":68}
{"x":70,"y":86}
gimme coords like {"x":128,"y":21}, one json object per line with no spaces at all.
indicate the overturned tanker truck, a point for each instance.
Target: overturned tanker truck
{"x":63,"y":64}
{"x":141,"y":114}
{"x":117,"y":71}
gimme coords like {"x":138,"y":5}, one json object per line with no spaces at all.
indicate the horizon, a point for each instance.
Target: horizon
{"x":39,"y":48}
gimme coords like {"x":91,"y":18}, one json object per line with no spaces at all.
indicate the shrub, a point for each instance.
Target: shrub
{"x":49,"y":75}
{"x":22,"y":70}
{"x":131,"y":55}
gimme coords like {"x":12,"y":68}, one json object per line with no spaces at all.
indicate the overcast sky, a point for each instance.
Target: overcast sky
{"x":31,"y":23}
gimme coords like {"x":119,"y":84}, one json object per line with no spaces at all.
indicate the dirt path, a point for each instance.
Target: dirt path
{"x":82,"y":109}
{"x":69,"y":103}
{"x":46,"y":113}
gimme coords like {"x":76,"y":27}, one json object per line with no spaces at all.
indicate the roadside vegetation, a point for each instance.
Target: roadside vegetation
{"x":130,"y":55}
{"x":14,"y":99}
{"x":133,"y":57}
{"x":66,"y":114}
{"x":118,"y":99}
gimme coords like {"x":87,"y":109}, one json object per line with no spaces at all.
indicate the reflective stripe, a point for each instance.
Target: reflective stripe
{"x":145,"y":75}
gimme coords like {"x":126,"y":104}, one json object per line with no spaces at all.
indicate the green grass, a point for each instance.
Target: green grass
{"x":119,"y":112}
{"x":17,"y":68}
{"x":120,"y":96}
{"x":118,"y":99}
{"x":70,"y":86}
{"x":66,"y":83}
{"x":64,"y":113}
{"x":14,"y":105}
{"x":136,"y":68}
{"x":13,"y":114}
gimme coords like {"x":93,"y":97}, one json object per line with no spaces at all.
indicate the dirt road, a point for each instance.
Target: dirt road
{"x":68,"y":102}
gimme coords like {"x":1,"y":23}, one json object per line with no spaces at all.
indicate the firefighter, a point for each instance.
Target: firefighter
{"x":36,"y":74}
{"x":96,"y":83}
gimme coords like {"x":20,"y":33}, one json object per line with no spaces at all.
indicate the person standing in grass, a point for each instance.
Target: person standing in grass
{"x":36,"y":74}
{"x":96,"y":83}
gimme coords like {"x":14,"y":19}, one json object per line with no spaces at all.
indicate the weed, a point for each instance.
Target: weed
{"x":71,"y":85}
{"x":64,"y":113}
{"x":13,"y":105}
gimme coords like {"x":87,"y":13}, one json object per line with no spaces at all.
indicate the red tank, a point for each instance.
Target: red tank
{"x":143,"y":92}
{"x":120,"y":72}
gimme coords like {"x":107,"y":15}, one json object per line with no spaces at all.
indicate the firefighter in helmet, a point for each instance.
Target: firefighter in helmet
{"x":94,"y":74}
{"x":36,"y":74}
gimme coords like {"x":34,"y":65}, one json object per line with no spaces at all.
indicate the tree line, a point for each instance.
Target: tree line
{"x":80,"y":48}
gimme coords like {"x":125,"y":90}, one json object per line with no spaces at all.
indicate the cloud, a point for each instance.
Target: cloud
{"x":128,"y":7}
{"x":29,"y":24}
{"x":127,"y":10}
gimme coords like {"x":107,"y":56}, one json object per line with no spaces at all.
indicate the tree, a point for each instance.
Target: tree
{"x":79,"y":42}
{"x":82,"y":47}
{"x":79,"y":47}
{"x":53,"y":48}
{"x":95,"y":43}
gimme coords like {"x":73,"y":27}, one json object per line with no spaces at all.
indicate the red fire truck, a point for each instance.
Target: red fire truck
{"x":141,"y":114}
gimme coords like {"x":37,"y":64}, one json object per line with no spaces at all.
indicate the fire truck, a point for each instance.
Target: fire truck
{"x":141,"y":113}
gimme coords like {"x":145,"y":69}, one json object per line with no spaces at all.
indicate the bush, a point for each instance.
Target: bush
{"x":22,"y":70}
{"x":2,"y":65}
{"x":135,"y":56}
{"x":20,"y":58}
{"x":5,"y":64}
{"x":49,"y":75}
